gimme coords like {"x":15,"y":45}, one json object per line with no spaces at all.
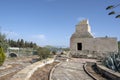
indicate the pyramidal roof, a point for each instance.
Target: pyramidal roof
{"x":83,"y":30}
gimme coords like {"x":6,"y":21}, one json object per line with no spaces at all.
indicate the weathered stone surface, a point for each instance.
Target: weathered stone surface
{"x":82,"y":30}
{"x":26,"y":73}
{"x":95,"y":44}
{"x":71,"y":70}
{"x":82,"y":40}
{"x":108,"y":72}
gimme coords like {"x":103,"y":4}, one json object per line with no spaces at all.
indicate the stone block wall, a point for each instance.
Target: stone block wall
{"x":95,"y":44}
{"x":82,"y":42}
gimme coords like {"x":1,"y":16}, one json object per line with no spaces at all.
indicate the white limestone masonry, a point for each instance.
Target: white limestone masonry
{"x":83,"y":40}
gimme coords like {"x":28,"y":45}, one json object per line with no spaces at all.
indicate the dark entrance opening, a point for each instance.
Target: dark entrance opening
{"x":12,"y":55}
{"x":79,"y":46}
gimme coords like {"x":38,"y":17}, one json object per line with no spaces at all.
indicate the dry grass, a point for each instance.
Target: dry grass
{"x":8,"y":76}
{"x":43,"y":73}
{"x":15,"y":64}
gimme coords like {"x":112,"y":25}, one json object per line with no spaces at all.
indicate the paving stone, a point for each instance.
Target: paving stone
{"x":71,"y":70}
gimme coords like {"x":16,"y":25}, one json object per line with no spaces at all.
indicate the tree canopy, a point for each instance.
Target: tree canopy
{"x":3,"y":42}
{"x":21,"y":43}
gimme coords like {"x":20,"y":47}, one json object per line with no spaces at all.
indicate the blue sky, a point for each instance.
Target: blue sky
{"x":52,"y":22}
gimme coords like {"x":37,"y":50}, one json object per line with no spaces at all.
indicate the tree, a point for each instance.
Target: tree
{"x":13,"y":43}
{"x":31,"y":45}
{"x":26,"y":44}
{"x":21,"y":43}
{"x":66,"y":49}
{"x":18,"y":43}
{"x":3,"y":42}
{"x":35,"y":46}
{"x":113,"y":12}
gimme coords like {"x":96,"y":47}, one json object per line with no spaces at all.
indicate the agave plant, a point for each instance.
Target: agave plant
{"x":113,"y":61}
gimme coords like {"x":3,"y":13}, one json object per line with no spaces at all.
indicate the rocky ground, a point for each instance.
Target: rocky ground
{"x":13,"y":65}
{"x":69,"y":69}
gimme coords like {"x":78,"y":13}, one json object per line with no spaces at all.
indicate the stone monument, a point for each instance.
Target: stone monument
{"x":83,"y":43}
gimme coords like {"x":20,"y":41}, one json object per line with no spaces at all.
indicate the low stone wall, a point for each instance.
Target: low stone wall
{"x":51,"y":73}
{"x":112,"y":75}
{"x":89,"y":54}
{"x":84,"y":67}
{"x":26,"y":73}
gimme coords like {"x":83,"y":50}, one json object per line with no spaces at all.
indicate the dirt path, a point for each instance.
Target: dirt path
{"x":71,"y":70}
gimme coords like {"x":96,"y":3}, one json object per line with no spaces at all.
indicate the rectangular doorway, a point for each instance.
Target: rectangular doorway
{"x":79,"y":46}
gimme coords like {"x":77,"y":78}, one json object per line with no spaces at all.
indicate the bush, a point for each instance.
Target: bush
{"x":2,"y":56}
{"x":43,"y":53}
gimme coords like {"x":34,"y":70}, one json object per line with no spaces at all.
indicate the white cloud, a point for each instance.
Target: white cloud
{"x":10,"y":33}
{"x":40,"y":37}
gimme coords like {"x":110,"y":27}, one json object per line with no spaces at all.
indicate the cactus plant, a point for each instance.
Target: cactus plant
{"x":113,"y":61}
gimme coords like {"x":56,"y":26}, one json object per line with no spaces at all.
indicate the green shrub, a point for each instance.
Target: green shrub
{"x":2,"y":56}
{"x":43,"y":53}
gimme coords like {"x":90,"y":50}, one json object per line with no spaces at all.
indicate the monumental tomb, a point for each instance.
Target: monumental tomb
{"x":83,"y":43}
